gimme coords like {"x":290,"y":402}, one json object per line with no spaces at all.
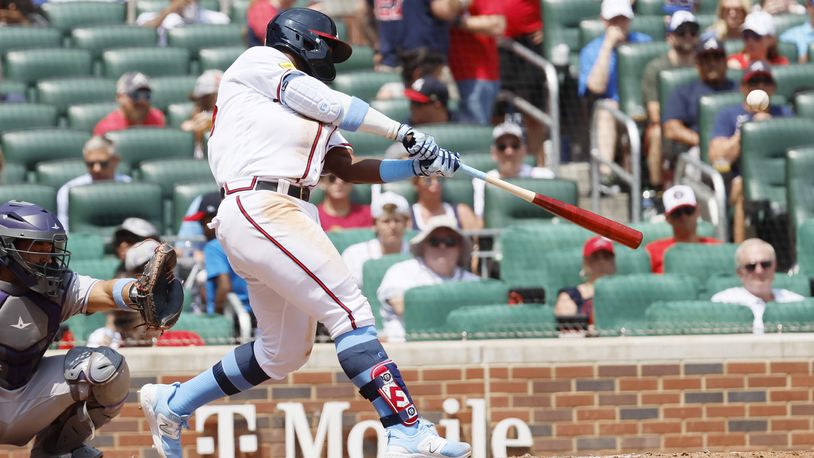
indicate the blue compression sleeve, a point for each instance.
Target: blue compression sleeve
{"x":396,"y":170}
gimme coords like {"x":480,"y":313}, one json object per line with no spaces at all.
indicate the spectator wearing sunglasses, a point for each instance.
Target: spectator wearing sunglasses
{"x":337,"y":211}
{"x":755,"y":265}
{"x":133,"y":94}
{"x":101,"y":161}
{"x":681,"y":212}
{"x":441,"y":255}
{"x":725,"y":143}
{"x":759,"y":42}
{"x":730,"y":16}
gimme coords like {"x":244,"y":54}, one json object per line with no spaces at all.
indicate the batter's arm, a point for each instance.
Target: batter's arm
{"x":340,"y":162}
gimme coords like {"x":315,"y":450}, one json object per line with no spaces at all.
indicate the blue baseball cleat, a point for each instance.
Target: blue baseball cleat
{"x":426,"y":443}
{"x":165,"y":425}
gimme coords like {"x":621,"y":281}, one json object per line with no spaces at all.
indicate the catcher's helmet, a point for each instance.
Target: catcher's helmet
{"x":311,"y":36}
{"x":21,"y":225}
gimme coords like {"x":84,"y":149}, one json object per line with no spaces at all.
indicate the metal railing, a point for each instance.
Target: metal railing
{"x":719,"y":216}
{"x":632,"y":178}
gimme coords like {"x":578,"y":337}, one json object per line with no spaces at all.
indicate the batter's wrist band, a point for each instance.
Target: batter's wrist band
{"x":396,"y":170}
{"x":118,"y":298}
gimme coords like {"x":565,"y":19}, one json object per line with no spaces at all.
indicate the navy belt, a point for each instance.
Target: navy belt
{"x":293,"y":191}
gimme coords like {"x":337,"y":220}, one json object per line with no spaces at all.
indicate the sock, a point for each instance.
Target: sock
{"x":358,"y":352}
{"x":237,"y":371}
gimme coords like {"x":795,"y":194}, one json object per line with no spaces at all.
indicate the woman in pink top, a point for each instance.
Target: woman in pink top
{"x":337,"y":211}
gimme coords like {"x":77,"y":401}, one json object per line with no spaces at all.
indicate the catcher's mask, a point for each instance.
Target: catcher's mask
{"x":22,"y":225}
{"x":312,"y":37}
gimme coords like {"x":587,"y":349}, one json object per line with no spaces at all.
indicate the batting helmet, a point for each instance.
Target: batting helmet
{"x":311,"y":36}
{"x":22,"y":224}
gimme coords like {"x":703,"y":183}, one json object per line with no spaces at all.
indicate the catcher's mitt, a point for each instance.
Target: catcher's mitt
{"x":158,"y":296}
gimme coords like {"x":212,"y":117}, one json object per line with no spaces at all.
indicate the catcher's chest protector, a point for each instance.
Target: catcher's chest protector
{"x":28,"y":324}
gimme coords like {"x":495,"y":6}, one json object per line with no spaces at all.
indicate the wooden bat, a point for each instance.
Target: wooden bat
{"x":613,"y":230}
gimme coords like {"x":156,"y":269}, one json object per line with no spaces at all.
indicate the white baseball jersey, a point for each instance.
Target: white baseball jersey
{"x":254,"y":135}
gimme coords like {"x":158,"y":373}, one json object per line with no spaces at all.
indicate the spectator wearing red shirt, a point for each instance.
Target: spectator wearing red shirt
{"x":337,"y":211}
{"x":259,"y":14}
{"x":133,"y":95}
{"x":759,"y":42}
{"x":474,"y":61}
{"x":681,"y":210}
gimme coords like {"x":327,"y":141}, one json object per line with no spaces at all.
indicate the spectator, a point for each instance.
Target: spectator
{"x":132,"y":231}
{"x":680,"y":116}
{"x":428,"y":102}
{"x":598,"y":73}
{"x":681,"y":211}
{"x":133,"y":95}
{"x":441,"y":254}
{"x":682,"y":36}
{"x":430,"y":203}
{"x":391,"y":215}
{"x":775,"y":7}
{"x":759,"y":42}
{"x":416,"y":63}
{"x":508,"y":150}
{"x":21,"y":13}
{"x":730,"y":17}
{"x":725,"y":143}
{"x":473,"y":59}
{"x":178,"y":14}
{"x":755,"y":265}
{"x":598,"y":260}
{"x":802,"y":35}
{"x":259,"y":14}
{"x":337,"y":210}
{"x":101,"y":160}
{"x":204,"y":95}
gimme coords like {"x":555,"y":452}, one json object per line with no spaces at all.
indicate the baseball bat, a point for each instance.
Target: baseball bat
{"x":613,"y":230}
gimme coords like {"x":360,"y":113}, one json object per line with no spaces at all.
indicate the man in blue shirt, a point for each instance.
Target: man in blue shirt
{"x":802,"y":35}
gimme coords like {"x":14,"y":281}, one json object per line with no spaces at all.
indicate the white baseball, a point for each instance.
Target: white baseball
{"x":757,"y":100}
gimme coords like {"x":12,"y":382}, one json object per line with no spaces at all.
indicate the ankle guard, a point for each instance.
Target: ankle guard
{"x":387,"y":384}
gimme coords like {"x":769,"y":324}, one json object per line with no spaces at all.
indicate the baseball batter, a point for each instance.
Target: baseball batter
{"x":275,"y":132}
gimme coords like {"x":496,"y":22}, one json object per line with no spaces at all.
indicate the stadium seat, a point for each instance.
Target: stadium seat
{"x":700,"y":260}
{"x":70,"y":15}
{"x":213,"y":329}
{"x":361,"y":59}
{"x":800,"y":284}
{"x":620,"y":301}
{"x":346,"y":237}
{"x":562,"y":18}
{"x":708,"y":108}
{"x":811,"y":52}
{"x":58,"y":172}
{"x":86,"y":246}
{"x":171,"y":89}
{"x":454,"y":191}
{"x":360,"y":194}
{"x":783,"y":22}
{"x":220,"y":58}
{"x":145,"y":6}
{"x":195,"y":37}
{"x":21,"y":116}
{"x":44,"y":196}
{"x":804,"y":104}
{"x":363,"y":84}
{"x":632,"y":60}
{"x":12,"y":173}
{"x":671,"y":79}
{"x":788,"y":50}
{"x":100,"y":207}
{"x":153,"y":62}
{"x":652,"y":26}
{"x":398,"y":109}
{"x":800,"y":189}
{"x":789,"y":316}
{"x":8,"y":87}
{"x":367,"y":144}
{"x":136,"y":145}
{"x":170,"y":172}
{"x":18,"y":38}
{"x":103,"y":269}
{"x":460,"y":137}
{"x":698,"y":317}
{"x":82,"y":326}
{"x":182,"y":197}
{"x":661,"y":230}
{"x":101,"y":38}
{"x":805,"y":246}
{"x":28,"y":147}
{"x":173,"y":338}
{"x":793,"y":78}
{"x":502,"y":321}
{"x":502,"y":209}
{"x":31,"y":65}
{"x":179,"y":112}
{"x":372,"y":274}
{"x":87,"y":115}
{"x":65,"y":92}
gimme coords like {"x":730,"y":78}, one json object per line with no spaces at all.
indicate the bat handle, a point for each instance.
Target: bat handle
{"x":472,"y":171}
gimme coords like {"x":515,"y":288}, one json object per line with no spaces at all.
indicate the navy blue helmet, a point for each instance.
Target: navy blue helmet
{"x":22,"y":225}
{"x":312,"y":37}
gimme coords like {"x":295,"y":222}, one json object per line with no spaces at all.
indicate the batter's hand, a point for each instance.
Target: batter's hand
{"x":444,"y":165}
{"x":418,"y":144}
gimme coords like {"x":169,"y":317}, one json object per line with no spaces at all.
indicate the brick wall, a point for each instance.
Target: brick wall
{"x":571,"y":408}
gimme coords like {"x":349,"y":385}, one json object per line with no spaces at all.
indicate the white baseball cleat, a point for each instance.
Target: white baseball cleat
{"x":426,"y":443}
{"x":165,"y":425}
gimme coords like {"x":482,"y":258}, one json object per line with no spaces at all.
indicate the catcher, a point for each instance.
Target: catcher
{"x":61,"y":400}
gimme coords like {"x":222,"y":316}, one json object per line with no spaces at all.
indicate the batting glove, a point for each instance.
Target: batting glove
{"x":444,"y":165}
{"x":418,"y":144}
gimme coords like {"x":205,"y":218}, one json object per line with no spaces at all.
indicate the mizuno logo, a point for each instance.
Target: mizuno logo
{"x":20,"y":324}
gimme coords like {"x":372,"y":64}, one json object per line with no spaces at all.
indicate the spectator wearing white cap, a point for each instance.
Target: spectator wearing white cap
{"x":509,"y":151}
{"x":133,"y":94}
{"x":204,"y":95}
{"x":802,"y":35}
{"x":681,"y":211}
{"x":178,"y":14}
{"x":759,"y":42}
{"x":391,"y":216}
{"x":441,"y":253}
{"x":131,"y":232}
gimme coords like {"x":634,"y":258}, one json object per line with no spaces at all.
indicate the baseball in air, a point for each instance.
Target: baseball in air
{"x":757,"y":100}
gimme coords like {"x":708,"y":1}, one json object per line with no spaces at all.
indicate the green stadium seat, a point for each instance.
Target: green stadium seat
{"x":28,"y":147}
{"x":631,"y":62}
{"x":182,"y":197}
{"x":213,"y":329}
{"x":219,"y":58}
{"x":503,"y":321}
{"x":361,"y":59}
{"x":783,"y":22}
{"x":562,"y":18}
{"x":708,"y":108}
{"x":661,"y":230}
{"x":620,"y":301}
{"x":85,"y":116}
{"x":346,"y":237}
{"x":169,"y":172}
{"x":360,"y":194}
{"x":195,"y":37}
{"x":136,"y":145}
{"x":698,"y":317}
{"x":21,"y":116}
{"x":700,"y":260}
{"x":103,"y":269}
{"x":793,"y":78}
{"x":238,"y":9}
{"x":789,"y":316}
{"x":804,"y":104}
{"x":44,"y":196}
{"x":100,"y":207}
{"x":82,"y":326}
{"x":31,"y":65}
{"x":65,"y":92}
{"x":649,"y":7}
{"x":372,"y":274}
{"x":363,"y":84}
{"x":788,"y":50}
{"x":800,"y":189}
{"x":671,"y":79}
{"x":67,"y":16}
{"x":171,"y":89}
{"x":653,"y":26}
{"x":153,"y":62}
{"x":800,"y":284}
{"x":86,"y":246}
{"x":8,"y":87}
{"x":502,"y":209}
{"x":98,"y":39}
{"x":58,"y":172}
{"x":12,"y":173}
{"x":460,"y":137}
{"x":18,"y":38}
{"x":398,"y":109}
{"x":151,"y":6}
{"x":805,"y":246}
{"x":811,"y":52}
{"x":367,"y":144}
{"x":177,"y":113}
